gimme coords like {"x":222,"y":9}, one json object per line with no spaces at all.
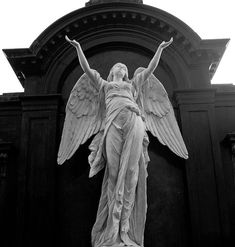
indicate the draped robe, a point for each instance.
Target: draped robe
{"x":122,"y":149}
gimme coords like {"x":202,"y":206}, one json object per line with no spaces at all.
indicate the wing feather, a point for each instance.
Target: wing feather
{"x":67,"y":134}
{"x":98,"y":125}
{"x":159,"y":115}
{"x":175,"y":140}
{"x":170,"y":138}
{"x":154,"y":129}
{"x":82,"y":118}
{"x":87,"y":128}
{"x":162,"y":133}
{"x":88,"y":131}
{"x":77,"y":136}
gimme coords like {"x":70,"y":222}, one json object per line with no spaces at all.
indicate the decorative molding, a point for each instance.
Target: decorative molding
{"x":152,"y":23}
{"x":195,"y":96}
{"x":225,"y":95}
{"x":94,"y":2}
{"x":225,"y":99}
{"x":40,"y":102}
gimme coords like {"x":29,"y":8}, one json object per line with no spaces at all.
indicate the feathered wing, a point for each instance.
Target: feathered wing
{"x":159,"y":115}
{"x":83,"y":117}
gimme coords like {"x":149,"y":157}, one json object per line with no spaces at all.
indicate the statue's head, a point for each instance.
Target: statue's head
{"x":119,"y":69}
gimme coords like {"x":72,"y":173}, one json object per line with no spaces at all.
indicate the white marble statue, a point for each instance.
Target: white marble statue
{"x":119,"y":111}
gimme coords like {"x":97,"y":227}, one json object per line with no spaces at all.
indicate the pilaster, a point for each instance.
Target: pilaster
{"x":204,"y":167}
{"x":36,"y":171}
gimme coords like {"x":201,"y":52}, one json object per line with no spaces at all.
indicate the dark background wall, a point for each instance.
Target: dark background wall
{"x":190,"y":203}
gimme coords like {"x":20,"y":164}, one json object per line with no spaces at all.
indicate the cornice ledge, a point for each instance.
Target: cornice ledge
{"x":24,"y":62}
{"x":195,"y":96}
{"x":95,"y":2}
{"x":215,"y":49}
{"x":39,"y":102}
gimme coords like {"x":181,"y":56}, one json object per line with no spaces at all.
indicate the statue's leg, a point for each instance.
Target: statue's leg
{"x":113,"y":146}
{"x":133,"y":151}
{"x":123,"y":147}
{"x":113,"y":151}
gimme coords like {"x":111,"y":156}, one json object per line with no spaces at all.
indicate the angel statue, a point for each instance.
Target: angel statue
{"x":119,"y":112}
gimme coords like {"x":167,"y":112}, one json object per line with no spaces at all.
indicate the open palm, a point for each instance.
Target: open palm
{"x":165,"y":44}
{"x":72,"y":42}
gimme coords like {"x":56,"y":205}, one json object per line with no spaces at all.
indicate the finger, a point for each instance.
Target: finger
{"x":67,"y":38}
{"x":170,"y":41}
{"x":75,"y":41}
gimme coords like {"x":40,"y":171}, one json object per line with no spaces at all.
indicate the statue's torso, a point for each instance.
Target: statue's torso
{"x":119,"y":98}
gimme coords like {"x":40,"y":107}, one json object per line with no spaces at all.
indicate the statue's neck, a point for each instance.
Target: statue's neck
{"x":117,"y":79}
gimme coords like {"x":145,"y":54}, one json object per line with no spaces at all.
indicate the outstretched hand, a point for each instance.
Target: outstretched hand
{"x":165,"y":44}
{"x":72,"y":42}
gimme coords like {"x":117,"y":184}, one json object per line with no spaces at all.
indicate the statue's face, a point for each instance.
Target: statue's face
{"x":119,"y":70}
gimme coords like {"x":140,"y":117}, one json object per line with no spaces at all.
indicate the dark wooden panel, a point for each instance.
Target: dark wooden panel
{"x":167,"y":221}
{"x":7,"y":194}
{"x":203,"y":172}
{"x":10,"y":124}
{"x":225,"y":121}
{"x":39,"y":185}
{"x":205,"y":178}
{"x":36,"y":171}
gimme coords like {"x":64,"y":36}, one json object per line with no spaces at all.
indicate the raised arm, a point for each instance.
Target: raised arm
{"x":82,"y":59}
{"x":155,"y":60}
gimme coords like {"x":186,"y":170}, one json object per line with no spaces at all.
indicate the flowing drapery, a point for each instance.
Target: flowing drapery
{"x":122,"y":148}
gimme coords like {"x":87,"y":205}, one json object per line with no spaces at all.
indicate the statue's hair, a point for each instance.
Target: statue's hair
{"x":110,"y":76}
